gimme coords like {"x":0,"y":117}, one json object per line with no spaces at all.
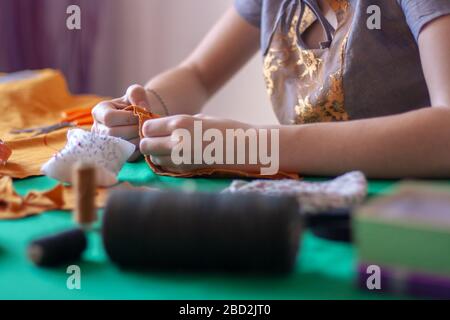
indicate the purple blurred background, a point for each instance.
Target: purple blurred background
{"x":33,"y":36}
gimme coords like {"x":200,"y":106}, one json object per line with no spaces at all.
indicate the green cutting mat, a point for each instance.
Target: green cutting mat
{"x":325,"y":270}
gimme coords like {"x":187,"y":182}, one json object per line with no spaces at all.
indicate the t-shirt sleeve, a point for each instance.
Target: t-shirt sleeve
{"x":421,"y":12}
{"x":251,"y":10}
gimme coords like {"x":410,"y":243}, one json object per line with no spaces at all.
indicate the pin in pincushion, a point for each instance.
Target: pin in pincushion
{"x":5,"y":153}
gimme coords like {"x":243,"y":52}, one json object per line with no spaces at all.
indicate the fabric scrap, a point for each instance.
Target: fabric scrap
{"x":14,"y":206}
{"x":62,"y":197}
{"x":343,"y":192}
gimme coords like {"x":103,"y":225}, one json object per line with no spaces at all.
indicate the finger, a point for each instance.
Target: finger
{"x":107,"y":114}
{"x":167,"y":164}
{"x":203,"y":116}
{"x":160,"y":146}
{"x":161,"y":127}
{"x":99,"y":110}
{"x":124,"y":132}
{"x":162,"y":161}
{"x":137,"y":95}
{"x":121,"y":103}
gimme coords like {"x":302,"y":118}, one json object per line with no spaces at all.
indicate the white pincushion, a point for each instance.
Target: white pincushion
{"x":109,"y":154}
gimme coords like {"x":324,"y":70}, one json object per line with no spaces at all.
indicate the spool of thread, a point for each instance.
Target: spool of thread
{"x":58,"y":250}
{"x":84,"y":182}
{"x":331,"y":225}
{"x":204,"y":232}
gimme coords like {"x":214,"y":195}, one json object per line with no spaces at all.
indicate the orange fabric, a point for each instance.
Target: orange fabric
{"x":35,"y":102}
{"x":145,"y":115}
{"x":14,"y":206}
{"x":5,"y":153}
{"x":78,"y":117}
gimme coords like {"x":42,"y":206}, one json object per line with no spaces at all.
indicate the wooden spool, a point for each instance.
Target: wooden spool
{"x":84,"y":184}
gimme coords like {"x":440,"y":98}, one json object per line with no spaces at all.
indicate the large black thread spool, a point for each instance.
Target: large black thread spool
{"x":206,"y":232}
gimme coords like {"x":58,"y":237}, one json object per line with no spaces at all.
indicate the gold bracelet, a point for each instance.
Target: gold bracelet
{"x":161,"y":101}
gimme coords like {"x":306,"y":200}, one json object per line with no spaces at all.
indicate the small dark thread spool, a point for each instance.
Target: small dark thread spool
{"x":205,"y":232}
{"x":57,"y":250}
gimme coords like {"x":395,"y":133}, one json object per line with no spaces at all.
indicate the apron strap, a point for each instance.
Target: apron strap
{"x":286,"y":15}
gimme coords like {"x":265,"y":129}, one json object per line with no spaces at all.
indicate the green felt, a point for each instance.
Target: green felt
{"x":415,"y":247}
{"x":325,"y":270}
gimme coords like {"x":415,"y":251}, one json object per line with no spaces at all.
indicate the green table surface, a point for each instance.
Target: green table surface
{"x":324,"y":270}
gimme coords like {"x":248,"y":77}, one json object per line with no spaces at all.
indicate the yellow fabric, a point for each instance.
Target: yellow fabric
{"x":35,"y":102}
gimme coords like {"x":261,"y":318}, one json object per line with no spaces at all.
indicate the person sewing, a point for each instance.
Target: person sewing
{"x":348,"y":97}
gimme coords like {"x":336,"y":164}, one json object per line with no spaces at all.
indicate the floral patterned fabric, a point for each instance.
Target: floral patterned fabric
{"x":313,"y":197}
{"x":306,"y":85}
{"x":360,"y":73}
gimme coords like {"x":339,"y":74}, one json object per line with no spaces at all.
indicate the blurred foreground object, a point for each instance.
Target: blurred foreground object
{"x":61,"y":197}
{"x":84,"y":183}
{"x":407,"y":234}
{"x":59,"y":249}
{"x":343,"y":192}
{"x":171,"y":231}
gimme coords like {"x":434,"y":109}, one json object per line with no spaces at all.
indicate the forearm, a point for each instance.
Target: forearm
{"x":181,"y":91}
{"x":226,"y":48}
{"x":415,"y":144}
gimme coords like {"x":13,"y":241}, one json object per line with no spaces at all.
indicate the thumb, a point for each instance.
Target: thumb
{"x":137,"y":95}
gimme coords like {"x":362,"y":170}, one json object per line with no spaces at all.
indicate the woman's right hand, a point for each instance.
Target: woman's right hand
{"x":110,"y":118}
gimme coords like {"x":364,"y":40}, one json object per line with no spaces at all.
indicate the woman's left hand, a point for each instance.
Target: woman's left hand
{"x":161,"y":136}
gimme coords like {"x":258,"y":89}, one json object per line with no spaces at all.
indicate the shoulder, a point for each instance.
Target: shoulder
{"x":250,"y":10}
{"x":419,"y":13}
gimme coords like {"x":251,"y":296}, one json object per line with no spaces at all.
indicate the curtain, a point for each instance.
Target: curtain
{"x":34,"y":35}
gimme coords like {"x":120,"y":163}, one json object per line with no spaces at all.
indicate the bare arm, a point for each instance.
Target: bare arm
{"x":186,"y":88}
{"x":415,"y":144}
{"x":227,"y":47}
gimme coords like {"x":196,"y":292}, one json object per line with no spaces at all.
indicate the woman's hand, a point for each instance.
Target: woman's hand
{"x":110,"y":118}
{"x":161,"y":139}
